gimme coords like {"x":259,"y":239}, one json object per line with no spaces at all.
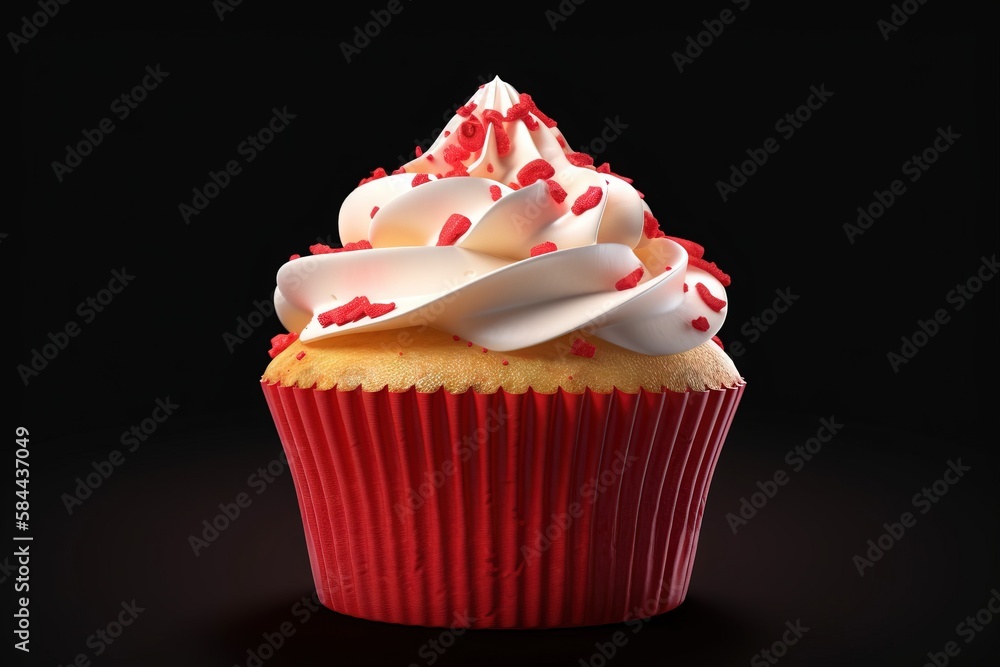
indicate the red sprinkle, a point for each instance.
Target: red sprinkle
{"x":470,"y":344}
{"x":666,"y":268}
{"x":359,"y":312}
{"x":454,"y":155}
{"x":466,"y":110}
{"x":562,"y":142}
{"x":650,"y":225}
{"x":377,"y":174}
{"x":295,"y":256}
{"x":556,"y":191}
{"x":685,"y":287}
{"x":352,"y":311}
{"x":489,"y":167}
{"x":320,"y":249}
{"x":641,"y":196}
{"x":712,"y":301}
{"x":374,"y":211}
{"x":363,"y":244}
{"x":582,"y":348}
{"x":430,"y":158}
{"x":419,"y":151}
{"x":399,"y":170}
{"x":534,"y":170}
{"x":525,"y":97}
{"x":504,"y":362}
{"x":513,"y":186}
{"x":719,"y":274}
{"x":459,"y":170}
{"x":588,"y":200}
{"x":531,"y":123}
{"x":495,"y":192}
{"x":629,"y":281}
{"x":281,"y":342}
{"x":447,"y":133}
{"x":456,"y":225}
{"x":493,"y":117}
{"x":701,"y":324}
{"x":420,"y":179}
{"x":455,"y":338}
{"x":518,"y":110}
{"x":485,"y":350}
{"x":374,"y":310}
{"x":693,"y":249}
{"x":580,"y":159}
{"x":718,"y":341}
{"x":542,"y":248}
{"x":472,"y":134}
{"x":300,"y":356}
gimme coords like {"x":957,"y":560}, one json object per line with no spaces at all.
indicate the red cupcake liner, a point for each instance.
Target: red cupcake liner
{"x":501,"y":510}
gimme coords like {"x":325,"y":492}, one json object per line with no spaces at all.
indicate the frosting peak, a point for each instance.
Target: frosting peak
{"x":503,"y":235}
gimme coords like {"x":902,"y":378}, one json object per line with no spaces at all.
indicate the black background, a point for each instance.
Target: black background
{"x":826,"y":357}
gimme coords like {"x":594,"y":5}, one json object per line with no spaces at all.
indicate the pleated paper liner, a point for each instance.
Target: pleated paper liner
{"x":501,"y":510}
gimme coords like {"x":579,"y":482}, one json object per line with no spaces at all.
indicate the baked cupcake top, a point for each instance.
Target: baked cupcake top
{"x":500,"y":233}
{"x":425,"y":359}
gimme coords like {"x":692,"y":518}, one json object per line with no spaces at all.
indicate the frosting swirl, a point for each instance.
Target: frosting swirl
{"x":501,"y":234}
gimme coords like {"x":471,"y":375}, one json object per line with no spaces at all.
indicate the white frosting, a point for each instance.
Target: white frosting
{"x":486,"y":287}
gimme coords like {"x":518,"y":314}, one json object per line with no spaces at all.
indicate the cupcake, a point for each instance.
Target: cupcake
{"x":503,"y":399}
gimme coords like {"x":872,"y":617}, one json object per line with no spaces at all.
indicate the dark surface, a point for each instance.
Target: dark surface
{"x":826,"y":357}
